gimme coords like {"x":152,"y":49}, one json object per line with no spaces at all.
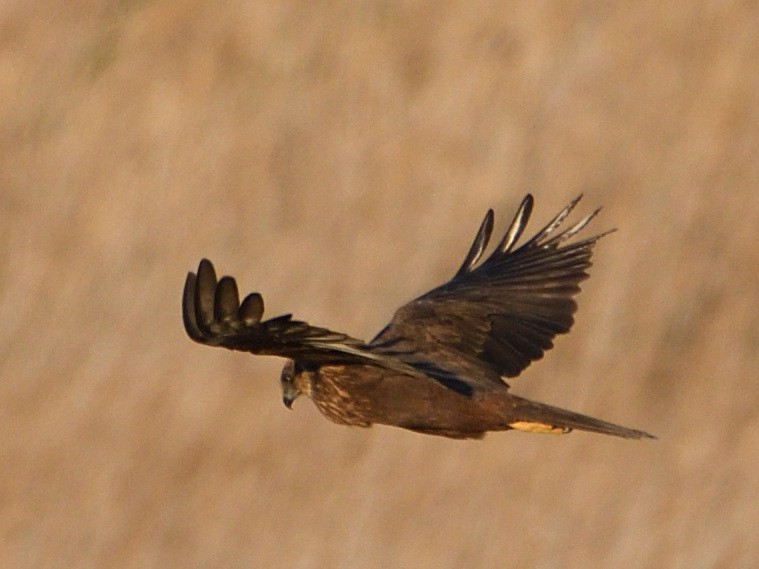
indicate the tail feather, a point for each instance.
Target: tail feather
{"x":539,"y":417}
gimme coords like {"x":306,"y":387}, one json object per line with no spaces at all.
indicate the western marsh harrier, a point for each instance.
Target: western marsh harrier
{"x":440,"y":366}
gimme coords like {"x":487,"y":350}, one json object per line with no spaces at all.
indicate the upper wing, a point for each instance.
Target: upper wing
{"x":491,"y":320}
{"x":213,"y":315}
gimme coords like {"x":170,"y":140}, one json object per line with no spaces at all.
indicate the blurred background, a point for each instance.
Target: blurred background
{"x":338,"y":157}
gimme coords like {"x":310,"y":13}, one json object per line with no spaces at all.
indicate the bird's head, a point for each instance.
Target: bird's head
{"x":295,"y":381}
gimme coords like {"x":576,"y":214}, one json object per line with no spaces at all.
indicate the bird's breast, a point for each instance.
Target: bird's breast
{"x":337,"y":392}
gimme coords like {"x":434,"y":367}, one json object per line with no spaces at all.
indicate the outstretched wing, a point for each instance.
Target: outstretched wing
{"x":491,"y":320}
{"x":213,"y":315}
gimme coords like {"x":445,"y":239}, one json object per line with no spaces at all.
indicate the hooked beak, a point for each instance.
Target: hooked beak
{"x":289,"y":393}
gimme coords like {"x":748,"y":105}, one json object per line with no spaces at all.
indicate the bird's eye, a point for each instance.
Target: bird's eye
{"x":288,"y":373}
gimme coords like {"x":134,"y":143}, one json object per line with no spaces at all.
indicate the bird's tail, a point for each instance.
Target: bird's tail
{"x":532,"y":416}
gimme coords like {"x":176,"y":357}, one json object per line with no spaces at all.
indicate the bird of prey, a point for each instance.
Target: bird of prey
{"x":440,"y":366}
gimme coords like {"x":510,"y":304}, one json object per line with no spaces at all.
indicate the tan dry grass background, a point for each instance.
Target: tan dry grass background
{"x":338,"y":157}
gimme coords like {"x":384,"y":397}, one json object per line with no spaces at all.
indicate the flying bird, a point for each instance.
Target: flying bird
{"x":441,"y":365}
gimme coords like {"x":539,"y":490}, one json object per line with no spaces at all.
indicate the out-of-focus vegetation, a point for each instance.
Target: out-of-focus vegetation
{"x":338,"y":157}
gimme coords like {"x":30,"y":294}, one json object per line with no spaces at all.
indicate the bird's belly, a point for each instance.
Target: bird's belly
{"x":339,"y":404}
{"x":363,"y":395}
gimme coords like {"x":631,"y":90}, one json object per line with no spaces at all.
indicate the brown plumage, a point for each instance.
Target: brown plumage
{"x":439,"y":366}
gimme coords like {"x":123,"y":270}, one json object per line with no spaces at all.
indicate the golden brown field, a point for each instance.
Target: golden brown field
{"x":338,"y":157}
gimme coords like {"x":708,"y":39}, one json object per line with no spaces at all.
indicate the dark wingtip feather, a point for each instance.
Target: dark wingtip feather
{"x":188,"y":308}
{"x":252,"y":309}
{"x":205,"y":294}
{"x":517,"y":226}
{"x":478,"y":246}
{"x":226,"y":300}
{"x":544,"y":233}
